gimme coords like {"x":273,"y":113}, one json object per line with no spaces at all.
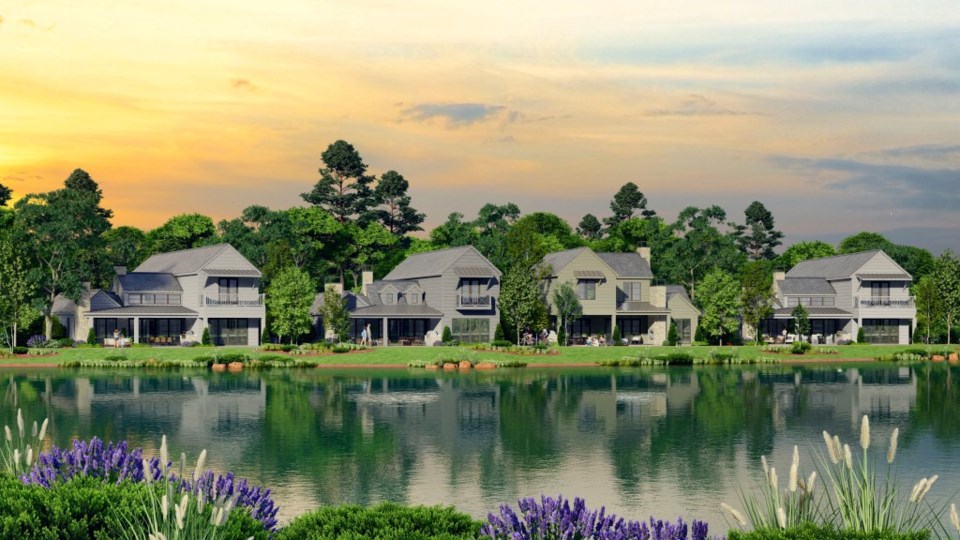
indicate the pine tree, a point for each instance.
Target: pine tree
{"x":757,"y":236}
{"x":344,"y":187}
{"x":673,"y":335}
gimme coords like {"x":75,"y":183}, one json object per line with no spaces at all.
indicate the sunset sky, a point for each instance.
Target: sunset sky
{"x":839,"y":115}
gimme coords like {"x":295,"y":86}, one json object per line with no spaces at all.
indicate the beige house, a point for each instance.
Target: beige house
{"x":616,"y":289}
{"x":172,"y":297}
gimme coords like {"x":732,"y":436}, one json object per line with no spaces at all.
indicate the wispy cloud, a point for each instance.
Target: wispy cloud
{"x":696,"y":105}
{"x":930,"y":152}
{"x":456,"y":115}
{"x":243,"y":84}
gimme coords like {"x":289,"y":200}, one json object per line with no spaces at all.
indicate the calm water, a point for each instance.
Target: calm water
{"x":640,"y":441}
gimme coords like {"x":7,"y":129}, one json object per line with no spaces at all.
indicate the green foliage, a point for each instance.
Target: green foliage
{"x":16,"y":291}
{"x":519,"y":298}
{"x":627,"y":202}
{"x":395,"y":212}
{"x":698,"y":249}
{"x":800,"y":347}
{"x":567,"y":304}
{"x":811,"y":531}
{"x":561,"y":337}
{"x":5,"y":195}
{"x":21,"y":445}
{"x":929,"y":312}
{"x":721,"y":303}
{"x":801,"y":320}
{"x":447,"y":336}
{"x":498,"y":333}
{"x":344,"y":187}
{"x":757,"y":236}
{"x":289,"y":299}
{"x":803,"y":251}
{"x":615,"y":337}
{"x":92,"y":337}
{"x":673,"y":335}
{"x":336,"y":317}
{"x":501,"y":343}
{"x":946,"y":276}
{"x":205,"y":337}
{"x":387,"y":521}
{"x":126,"y":246}
{"x":756,"y":295}
{"x":183,"y":231}
{"x":860,"y":337}
{"x":590,"y":227}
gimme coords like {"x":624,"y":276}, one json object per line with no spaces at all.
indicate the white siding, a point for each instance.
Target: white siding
{"x":230,"y":259}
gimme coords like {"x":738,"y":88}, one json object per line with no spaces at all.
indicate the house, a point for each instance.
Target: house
{"x":456,"y":287}
{"x":173,"y":297}
{"x":843,"y":294}
{"x":615,"y":289}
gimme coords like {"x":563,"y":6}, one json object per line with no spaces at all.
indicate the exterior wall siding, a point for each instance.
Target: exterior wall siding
{"x":605,"y":303}
{"x":680,"y":308}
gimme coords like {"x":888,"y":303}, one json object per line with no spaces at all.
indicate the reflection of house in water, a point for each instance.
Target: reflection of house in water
{"x":214,"y":413}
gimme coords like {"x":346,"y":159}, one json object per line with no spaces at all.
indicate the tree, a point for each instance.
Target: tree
{"x":344,"y":187}
{"x":205,"y":339}
{"x":699,"y":248}
{"x":492,"y":225}
{"x":757,"y":294}
{"x":125,"y":246}
{"x":615,"y":336}
{"x":946,"y":275}
{"x":16,"y":290}
{"x":80,"y":180}
{"x":673,"y":335}
{"x":627,"y":202}
{"x":553,"y":230}
{"x":519,"y":298}
{"x":336,"y":317}
{"x":446,"y":336}
{"x":61,"y":231}
{"x":568,"y":306}
{"x":395,"y":212}
{"x":184,"y":231}
{"x":801,"y":321}
{"x":757,"y":236}
{"x":864,"y":241}
{"x":929,"y":311}
{"x":454,"y":232}
{"x":5,"y":195}
{"x":288,"y":302}
{"x":803,"y":251}
{"x":523,"y":246}
{"x":590,"y":227}
{"x":720,"y":302}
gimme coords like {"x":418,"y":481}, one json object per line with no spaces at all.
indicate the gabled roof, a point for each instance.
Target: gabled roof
{"x":816,"y":286}
{"x":627,"y":265}
{"x":187,"y":261}
{"x":149,"y":281}
{"x":433,"y":263}
{"x":558,"y":260}
{"x":62,"y":304}
{"x":677,"y":290}
{"x":114,"y":299}
{"x":837,"y":267}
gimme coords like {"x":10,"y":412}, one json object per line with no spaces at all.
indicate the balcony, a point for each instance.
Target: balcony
{"x":887,"y":302}
{"x":231,"y":300}
{"x":474,"y":301}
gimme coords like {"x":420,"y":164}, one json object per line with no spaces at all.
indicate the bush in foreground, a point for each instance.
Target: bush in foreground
{"x":387,"y":521}
{"x":814,"y":532}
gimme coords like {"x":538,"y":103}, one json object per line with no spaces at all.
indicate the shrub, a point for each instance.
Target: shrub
{"x":721,"y":357}
{"x":562,"y":337}
{"x":799,"y":347}
{"x":447,"y":336}
{"x":615,"y":337}
{"x":916,"y":352}
{"x":555,"y":519}
{"x":679,"y":358}
{"x":860,"y":338}
{"x":36,"y":342}
{"x":205,"y":338}
{"x":20,"y":350}
{"x":510,"y":363}
{"x":92,"y":337}
{"x":115,"y":357}
{"x":673,"y":335}
{"x":205,"y":359}
{"x":498,"y":334}
{"x":386,"y":521}
{"x":275,"y":358}
{"x":341,"y":348}
{"x":816,"y":532}
{"x":228,"y":358}
{"x":502,"y":343}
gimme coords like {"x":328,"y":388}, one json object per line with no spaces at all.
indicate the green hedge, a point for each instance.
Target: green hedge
{"x":813,"y":532}
{"x":387,"y":521}
{"x":84,"y":509}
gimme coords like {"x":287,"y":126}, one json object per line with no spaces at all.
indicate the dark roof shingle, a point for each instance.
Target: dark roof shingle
{"x":627,"y":265}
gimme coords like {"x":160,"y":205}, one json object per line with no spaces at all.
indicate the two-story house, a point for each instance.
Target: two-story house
{"x":843,"y":294}
{"x":173,"y":297}
{"x":615,"y":289}
{"x":456,"y":287}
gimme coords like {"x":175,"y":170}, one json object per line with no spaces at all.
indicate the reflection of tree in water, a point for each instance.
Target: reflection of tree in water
{"x":527,"y":431}
{"x":690,"y":442}
{"x":938,"y":402}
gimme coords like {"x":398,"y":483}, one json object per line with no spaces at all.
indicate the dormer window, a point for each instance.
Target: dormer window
{"x":413,"y":299}
{"x":387,"y":298}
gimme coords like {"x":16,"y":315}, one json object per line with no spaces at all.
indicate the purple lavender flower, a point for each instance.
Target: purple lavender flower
{"x":114,"y":463}
{"x":556,"y":519}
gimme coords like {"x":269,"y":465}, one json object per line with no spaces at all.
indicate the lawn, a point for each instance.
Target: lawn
{"x":403,"y":355}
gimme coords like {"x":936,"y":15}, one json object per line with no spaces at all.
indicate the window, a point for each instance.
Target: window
{"x":587,"y":289}
{"x":470,"y":287}
{"x":683,"y":330}
{"x":581,"y":327}
{"x":880,"y":289}
{"x":134,"y":299}
{"x":413,"y":298}
{"x":387,"y":298}
{"x":173,"y":299}
{"x":161,"y":299}
{"x":632,"y":290}
{"x":229,"y":289}
{"x":469,"y":330}
{"x":792,"y":301}
{"x":148,"y":299}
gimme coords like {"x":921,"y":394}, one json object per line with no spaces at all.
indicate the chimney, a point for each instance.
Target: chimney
{"x":644,"y":253}
{"x":337,"y":287}
{"x":366,"y":279}
{"x":120,"y":270}
{"x":658,"y":296}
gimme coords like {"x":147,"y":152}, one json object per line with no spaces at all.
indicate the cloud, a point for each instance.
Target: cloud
{"x":905,"y":186}
{"x":696,"y":105}
{"x":243,"y":84}
{"x":931,"y":152}
{"x":460,"y":114}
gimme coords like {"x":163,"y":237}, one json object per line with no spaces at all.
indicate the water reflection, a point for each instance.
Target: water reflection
{"x":640,"y":441}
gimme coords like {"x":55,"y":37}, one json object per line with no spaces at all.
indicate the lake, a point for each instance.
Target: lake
{"x":640,"y":441}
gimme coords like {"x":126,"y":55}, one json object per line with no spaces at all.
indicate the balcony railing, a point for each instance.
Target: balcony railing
{"x":231,"y":300}
{"x":474,"y":301}
{"x":886,"y":302}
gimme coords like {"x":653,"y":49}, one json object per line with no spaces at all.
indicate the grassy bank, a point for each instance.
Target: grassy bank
{"x":401,"y":356}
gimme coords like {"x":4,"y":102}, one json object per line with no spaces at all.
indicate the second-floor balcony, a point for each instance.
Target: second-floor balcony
{"x":474,"y":301}
{"x":231,"y":300}
{"x":886,"y":302}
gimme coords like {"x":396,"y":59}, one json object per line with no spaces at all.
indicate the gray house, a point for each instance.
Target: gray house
{"x":843,"y":294}
{"x":173,"y":297}
{"x":616,"y":289}
{"x":456,"y":287}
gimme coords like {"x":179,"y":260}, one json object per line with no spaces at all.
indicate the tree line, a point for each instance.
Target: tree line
{"x":52,"y":243}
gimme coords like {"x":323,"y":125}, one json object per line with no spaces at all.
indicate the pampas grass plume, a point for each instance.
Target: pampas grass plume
{"x":892,"y":451}
{"x":865,"y":433}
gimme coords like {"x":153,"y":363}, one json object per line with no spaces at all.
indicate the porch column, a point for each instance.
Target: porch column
{"x":136,"y":329}
{"x":613,"y":324}
{"x":384,"y":333}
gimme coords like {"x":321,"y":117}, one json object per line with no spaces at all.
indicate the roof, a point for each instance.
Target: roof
{"x":473,"y":271}
{"x":148,"y":311}
{"x":588,"y":274}
{"x":627,"y":265}
{"x":677,"y":290}
{"x":434,"y":263}
{"x":839,"y":266}
{"x":640,"y":307}
{"x":815,"y":286}
{"x":396,"y":311}
{"x":559,"y":259}
{"x":813,"y":312}
{"x":231,"y":272}
{"x":191,"y":261}
{"x":149,"y":281}
{"x":62,"y":304}
{"x":886,"y":277}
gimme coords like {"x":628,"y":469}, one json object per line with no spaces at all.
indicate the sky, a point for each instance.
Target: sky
{"x":838,"y":115}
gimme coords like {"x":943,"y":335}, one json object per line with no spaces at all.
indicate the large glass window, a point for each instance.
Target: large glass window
{"x":881,"y":331}
{"x":879,"y":289}
{"x":470,"y":287}
{"x":161,"y":331}
{"x":632,"y":290}
{"x":229,"y":331}
{"x":229,"y":289}
{"x":581,"y":328}
{"x":684,"y":328}
{"x":587,"y":289}
{"x":470,"y":330}
{"x":414,"y":329}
